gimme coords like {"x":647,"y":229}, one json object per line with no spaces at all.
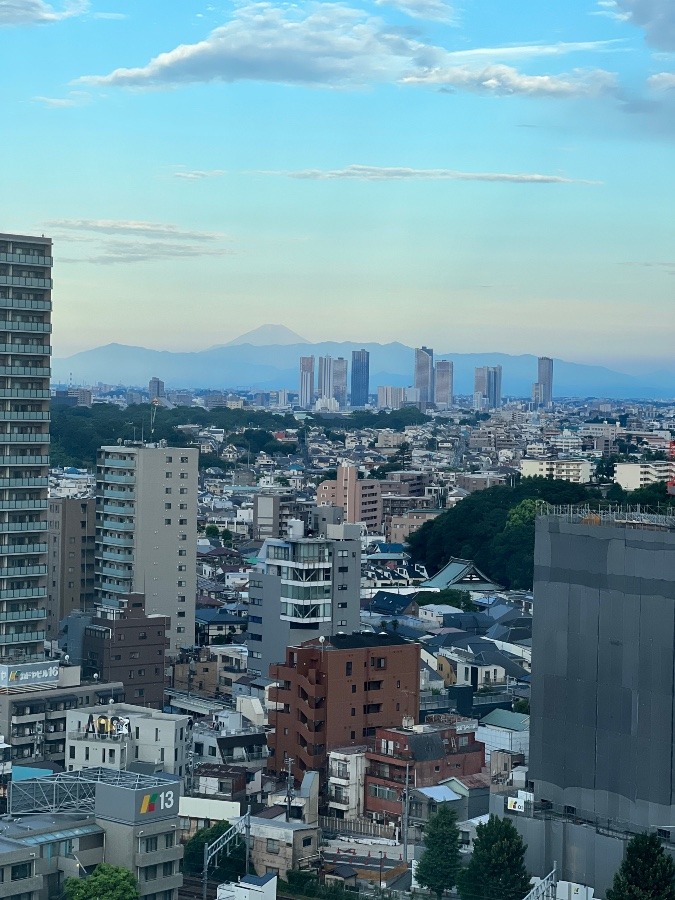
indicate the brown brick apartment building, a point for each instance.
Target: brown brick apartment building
{"x":431,"y":752}
{"x":338,"y":693}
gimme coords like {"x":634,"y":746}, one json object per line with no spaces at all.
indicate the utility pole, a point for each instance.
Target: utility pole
{"x":406,"y":812}
{"x":289,"y":787}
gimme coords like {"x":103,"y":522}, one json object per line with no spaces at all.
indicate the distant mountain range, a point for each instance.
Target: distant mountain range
{"x":268,"y":359}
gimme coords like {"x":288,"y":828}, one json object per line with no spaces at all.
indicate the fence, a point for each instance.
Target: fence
{"x":367,"y":828}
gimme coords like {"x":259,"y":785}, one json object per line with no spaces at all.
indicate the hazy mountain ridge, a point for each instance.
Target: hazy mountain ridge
{"x":272,"y":366}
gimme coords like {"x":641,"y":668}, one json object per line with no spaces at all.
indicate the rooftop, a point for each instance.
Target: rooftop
{"x":357,"y":640}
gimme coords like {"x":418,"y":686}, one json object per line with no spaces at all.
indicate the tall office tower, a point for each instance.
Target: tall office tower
{"x":325,"y":385}
{"x":487,"y":383}
{"x":603,"y":681}
{"x":340,"y":381}
{"x":545,"y":379}
{"x":303,"y":588}
{"x":146,"y":531}
{"x":424,"y":374}
{"x":72,"y":532}
{"x":25,"y":300}
{"x":306,"y":381}
{"x":156,"y":389}
{"x":443,"y":386}
{"x":360,"y":377}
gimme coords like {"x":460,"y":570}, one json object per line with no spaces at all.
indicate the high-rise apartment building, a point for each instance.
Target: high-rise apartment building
{"x":71,"y":537}
{"x":360,"y":377}
{"x":25,"y":302}
{"x":359,"y":498}
{"x":340,"y":381}
{"x":487,"y":385}
{"x":424,"y":374}
{"x":544,"y":381}
{"x":303,"y":588}
{"x":146,"y":529}
{"x":325,"y":385}
{"x":603,"y":681}
{"x":443,"y":384}
{"x":306,"y":381}
{"x":156,"y":389}
{"x":390,"y":397}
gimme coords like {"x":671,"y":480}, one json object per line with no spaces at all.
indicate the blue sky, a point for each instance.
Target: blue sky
{"x":478,"y":176}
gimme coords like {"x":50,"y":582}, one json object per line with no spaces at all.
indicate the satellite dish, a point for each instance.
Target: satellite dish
{"x":95,"y":676}
{"x":322,"y":639}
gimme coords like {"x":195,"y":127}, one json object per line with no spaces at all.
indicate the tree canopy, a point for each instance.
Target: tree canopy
{"x":494,"y":528}
{"x":496,"y":870}
{"x":439,"y":865}
{"x":227,"y":868}
{"x":106,"y":882}
{"x":646,"y":873}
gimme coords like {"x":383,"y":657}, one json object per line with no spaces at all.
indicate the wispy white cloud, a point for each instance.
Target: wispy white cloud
{"x":336,"y":46}
{"x":198,"y":175}
{"x":383,"y":173}
{"x":115,"y":16}
{"x":138,"y":229}
{"x":610,"y":9}
{"x":663,"y":81}
{"x":117,"y":251}
{"x":656,"y":17}
{"x":37,"y":12}
{"x":74,"y":98}
{"x":501,"y":80}
{"x":434,"y":10}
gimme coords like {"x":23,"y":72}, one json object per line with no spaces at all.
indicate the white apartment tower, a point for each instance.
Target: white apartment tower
{"x":146,"y":531}
{"x":25,"y":306}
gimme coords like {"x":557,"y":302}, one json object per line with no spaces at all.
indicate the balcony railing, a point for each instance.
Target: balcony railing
{"x":22,"y":614}
{"x":22,"y":526}
{"x":22,"y":637}
{"x":13,"y":325}
{"x":29,"y":349}
{"x":38,"y":371}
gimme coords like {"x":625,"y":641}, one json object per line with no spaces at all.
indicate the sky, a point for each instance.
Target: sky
{"x":477,"y":176}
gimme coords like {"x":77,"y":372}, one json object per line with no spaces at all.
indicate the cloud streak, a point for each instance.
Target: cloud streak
{"x":36,"y":12}
{"x":115,"y":252}
{"x":380,"y":173}
{"x":136,"y":228}
{"x":501,"y":80}
{"x":199,"y":175}
{"x":434,"y":10}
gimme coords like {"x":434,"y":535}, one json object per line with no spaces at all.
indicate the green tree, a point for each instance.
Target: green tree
{"x":212,"y":531}
{"x":226,"y":537}
{"x":439,"y":865}
{"x":496,"y":870}
{"x":521,"y":706}
{"x":228,"y":867}
{"x":450,"y":597}
{"x":106,"y":882}
{"x":646,"y":873}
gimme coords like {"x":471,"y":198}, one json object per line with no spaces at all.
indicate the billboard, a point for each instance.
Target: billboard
{"x":133,"y":806}
{"x":515,"y":804}
{"x":25,"y":674}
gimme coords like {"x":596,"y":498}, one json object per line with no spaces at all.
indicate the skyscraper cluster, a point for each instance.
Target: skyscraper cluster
{"x":433,"y":383}
{"x":487,"y":387}
{"x":332,"y":383}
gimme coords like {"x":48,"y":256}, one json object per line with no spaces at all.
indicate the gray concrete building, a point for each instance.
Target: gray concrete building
{"x":303,"y":588}
{"x":602,"y":759}
{"x":25,"y":325}
{"x":72,"y":532}
{"x":146,"y":530}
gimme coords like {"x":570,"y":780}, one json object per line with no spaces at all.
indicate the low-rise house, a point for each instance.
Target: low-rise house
{"x":505,"y":730}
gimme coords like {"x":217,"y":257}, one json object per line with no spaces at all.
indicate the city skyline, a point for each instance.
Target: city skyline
{"x":501,"y":176}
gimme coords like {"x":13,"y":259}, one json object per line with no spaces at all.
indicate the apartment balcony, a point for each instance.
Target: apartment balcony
{"x":28,"y":718}
{"x":20,"y":281}
{"x":26,"y":260}
{"x":113,"y":588}
{"x":22,"y":526}
{"x":115,"y":526}
{"x":24,"y":416}
{"x":23,"y":593}
{"x":21,"y":615}
{"x":27,"y":327}
{"x":22,"y":349}
{"x":22,"y":637}
{"x":24,"y":461}
{"x":18,"y":549}
{"x":338,"y":774}
{"x":114,"y":572}
{"x":313,"y":691}
{"x":33,"y":371}
{"x":16,"y":303}
{"x":23,"y":504}
{"x":116,"y":464}
{"x":24,"y":482}
{"x":118,"y":494}
{"x":13,"y":438}
{"x":116,"y":541}
{"x":337,"y":801}
{"x":114,"y":556}
{"x":119,"y":510}
{"x":119,"y":479}
{"x":22,"y":571}
{"x":159,"y":856}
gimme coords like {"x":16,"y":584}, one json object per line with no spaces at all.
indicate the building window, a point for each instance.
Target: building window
{"x":168,"y":840}
{"x":149,"y":873}
{"x":21,"y":871}
{"x":348,"y":668}
{"x":151,"y":844}
{"x":307,"y":842}
{"x":342,"y":587}
{"x":272,"y":845}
